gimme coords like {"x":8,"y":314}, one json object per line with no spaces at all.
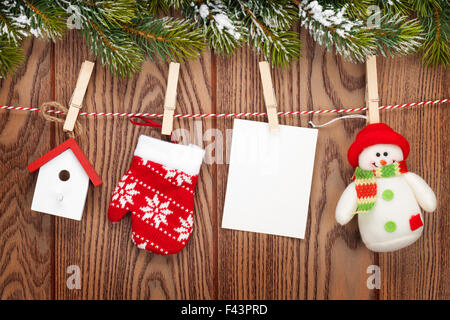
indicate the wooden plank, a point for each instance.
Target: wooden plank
{"x":26,"y":239}
{"x":331,"y":261}
{"x":111,"y":266}
{"x":420,"y":271}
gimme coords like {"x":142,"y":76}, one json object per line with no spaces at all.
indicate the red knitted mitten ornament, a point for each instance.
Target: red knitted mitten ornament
{"x":158,"y":190}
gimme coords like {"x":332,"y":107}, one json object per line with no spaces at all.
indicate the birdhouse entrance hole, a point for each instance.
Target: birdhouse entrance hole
{"x":64,"y":175}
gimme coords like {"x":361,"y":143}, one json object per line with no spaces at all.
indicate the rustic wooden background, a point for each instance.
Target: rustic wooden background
{"x":36,"y":249}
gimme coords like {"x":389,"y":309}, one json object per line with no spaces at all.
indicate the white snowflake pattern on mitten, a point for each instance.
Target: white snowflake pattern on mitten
{"x":179,"y":176}
{"x":125,"y":192}
{"x":156,"y":210}
{"x":185,"y":229}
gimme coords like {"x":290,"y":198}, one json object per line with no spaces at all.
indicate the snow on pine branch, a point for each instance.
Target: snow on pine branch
{"x":330,"y":27}
{"x":216,"y":14}
{"x":17,"y":25}
{"x":312,"y":12}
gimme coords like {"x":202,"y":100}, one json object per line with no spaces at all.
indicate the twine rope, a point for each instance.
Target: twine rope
{"x":46,"y":112}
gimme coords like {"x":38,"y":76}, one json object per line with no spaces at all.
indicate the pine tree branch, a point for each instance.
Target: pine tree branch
{"x":103,"y":37}
{"x":398,"y":35}
{"x":143,"y":34}
{"x":122,"y":33}
{"x":38,"y":12}
{"x":223,"y":31}
{"x":357,"y":39}
{"x":279,"y":47}
{"x":114,"y":49}
{"x":424,"y":8}
{"x":47,"y":19}
{"x":114,"y":12}
{"x":436,"y":28}
{"x":11,"y":57}
{"x":11,"y":32}
{"x":166,"y":38}
{"x":334,"y":29}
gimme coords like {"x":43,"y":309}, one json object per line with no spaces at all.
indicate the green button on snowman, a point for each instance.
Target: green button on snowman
{"x":384,"y":195}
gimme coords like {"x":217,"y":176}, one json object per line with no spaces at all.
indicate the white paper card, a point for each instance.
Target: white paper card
{"x":269,"y":179}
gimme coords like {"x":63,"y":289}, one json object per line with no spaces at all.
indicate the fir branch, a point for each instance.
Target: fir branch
{"x":355,"y":39}
{"x":398,"y":35}
{"x":13,"y":26}
{"x":355,"y":9}
{"x":122,"y":32}
{"x":223,"y":31}
{"x":11,"y":57}
{"x":278,"y":46}
{"x":46,"y":19}
{"x":436,"y":28}
{"x":114,"y":12}
{"x":105,"y":37}
{"x":333,"y":29}
{"x":152,"y":7}
{"x":155,"y":7}
{"x":393,"y":7}
{"x":276,"y":15}
{"x":114,"y":49}
{"x":166,"y":38}
{"x":424,"y":8}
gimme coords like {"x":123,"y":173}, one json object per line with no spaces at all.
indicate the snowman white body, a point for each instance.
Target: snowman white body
{"x":395,"y":221}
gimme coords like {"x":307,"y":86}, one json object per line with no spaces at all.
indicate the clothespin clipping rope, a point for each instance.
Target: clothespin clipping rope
{"x":54,"y":105}
{"x":71,"y":126}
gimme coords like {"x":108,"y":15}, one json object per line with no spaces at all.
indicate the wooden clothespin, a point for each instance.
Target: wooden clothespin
{"x":78,"y":95}
{"x":372,"y":99}
{"x":269,"y":96}
{"x":170,"y":99}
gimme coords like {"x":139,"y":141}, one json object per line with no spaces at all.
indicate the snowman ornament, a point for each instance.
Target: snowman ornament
{"x":384,"y":195}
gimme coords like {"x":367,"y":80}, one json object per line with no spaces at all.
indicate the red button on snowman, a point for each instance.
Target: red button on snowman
{"x":384,"y":195}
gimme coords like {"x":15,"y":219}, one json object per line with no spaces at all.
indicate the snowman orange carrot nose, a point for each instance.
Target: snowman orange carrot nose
{"x":383,"y":162}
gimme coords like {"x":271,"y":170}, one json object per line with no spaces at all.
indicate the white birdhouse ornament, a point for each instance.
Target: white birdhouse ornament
{"x":384,"y":195}
{"x":63,"y":181}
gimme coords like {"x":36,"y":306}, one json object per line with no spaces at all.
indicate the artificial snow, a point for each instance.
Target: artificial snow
{"x":204,"y":11}
{"x":223,"y":22}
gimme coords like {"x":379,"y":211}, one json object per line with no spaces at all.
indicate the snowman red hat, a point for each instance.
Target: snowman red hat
{"x":372,"y":134}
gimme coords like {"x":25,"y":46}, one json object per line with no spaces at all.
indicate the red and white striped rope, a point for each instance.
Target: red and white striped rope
{"x":231,"y":115}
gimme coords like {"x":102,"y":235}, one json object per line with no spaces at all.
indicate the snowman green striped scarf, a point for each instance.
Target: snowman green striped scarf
{"x":366,"y":183}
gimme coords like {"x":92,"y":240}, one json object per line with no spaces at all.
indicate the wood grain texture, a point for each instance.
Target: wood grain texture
{"x":26,"y":237}
{"x":330,"y":263}
{"x":420,"y":271}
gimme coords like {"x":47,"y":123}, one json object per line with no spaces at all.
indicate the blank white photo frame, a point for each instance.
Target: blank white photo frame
{"x":269,"y":179}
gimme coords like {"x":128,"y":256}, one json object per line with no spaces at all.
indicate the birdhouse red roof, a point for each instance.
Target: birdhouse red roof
{"x":72,"y":144}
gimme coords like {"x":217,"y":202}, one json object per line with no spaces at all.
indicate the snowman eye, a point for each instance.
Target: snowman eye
{"x":385,"y":154}
{"x":378,"y":154}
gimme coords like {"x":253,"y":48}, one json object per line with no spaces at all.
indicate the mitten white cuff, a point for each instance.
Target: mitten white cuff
{"x":177,"y":156}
